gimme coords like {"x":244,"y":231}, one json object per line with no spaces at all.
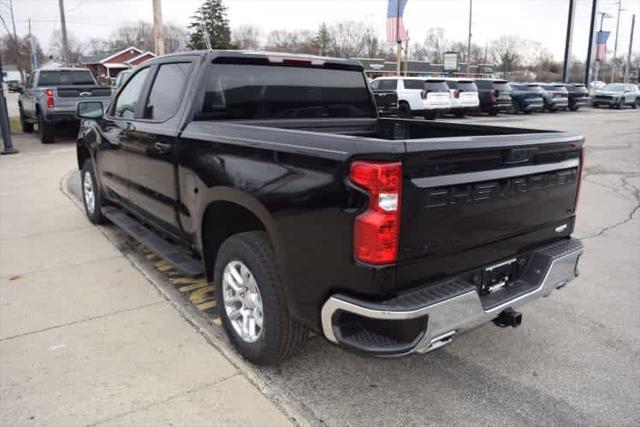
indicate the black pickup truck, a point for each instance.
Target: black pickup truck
{"x":273,"y":175}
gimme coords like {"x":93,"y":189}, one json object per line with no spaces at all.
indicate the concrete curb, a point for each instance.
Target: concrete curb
{"x":216,"y":338}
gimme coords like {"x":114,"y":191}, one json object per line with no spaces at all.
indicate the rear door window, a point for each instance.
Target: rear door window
{"x":436,"y":86}
{"x":166,"y":92}
{"x":65,"y":78}
{"x":413,"y":84}
{"x":388,"y":84}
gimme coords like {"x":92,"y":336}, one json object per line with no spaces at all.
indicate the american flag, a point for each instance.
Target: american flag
{"x":601,"y":45}
{"x":395,"y":26}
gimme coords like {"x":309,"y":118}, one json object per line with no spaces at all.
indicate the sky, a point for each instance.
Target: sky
{"x":539,"y":20}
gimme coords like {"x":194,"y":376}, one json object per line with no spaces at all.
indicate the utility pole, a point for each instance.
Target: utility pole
{"x":158,"y":28}
{"x":469,"y":39}
{"x":13,"y":21}
{"x":33,"y":56}
{"x":398,"y":41}
{"x":587,"y":67}
{"x":63,"y":26}
{"x":567,"y":44}
{"x":4,"y":119}
{"x":627,"y":69}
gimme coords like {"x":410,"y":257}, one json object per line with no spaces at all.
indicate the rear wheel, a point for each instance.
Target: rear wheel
{"x":405,"y":110}
{"x":493,"y":112}
{"x":27,"y":127}
{"x":430,"y":115}
{"x":636,"y":103}
{"x":252,"y":302}
{"x":47,"y":130}
{"x":620,"y":104}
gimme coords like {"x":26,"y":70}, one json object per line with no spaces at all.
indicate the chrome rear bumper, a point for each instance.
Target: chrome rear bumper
{"x":451,"y":306}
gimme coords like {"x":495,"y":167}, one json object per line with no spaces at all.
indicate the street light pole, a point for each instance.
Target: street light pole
{"x":567,"y":45}
{"x":587,"y":68}
{"x":615,"y":45}
{"x":469,"y":39}
{"x":627,"y":68}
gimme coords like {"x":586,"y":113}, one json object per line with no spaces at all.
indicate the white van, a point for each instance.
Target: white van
{"x":464,"y":96}
{"x":420,"y":96}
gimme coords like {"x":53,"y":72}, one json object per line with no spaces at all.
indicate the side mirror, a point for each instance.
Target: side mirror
{"x":90,"y":109}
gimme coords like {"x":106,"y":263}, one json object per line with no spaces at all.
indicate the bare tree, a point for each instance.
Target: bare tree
{"x":506,"y":52}
{"x":246,"y":37}
{"x":19,"y":53}
{"x":73,"y":47}
{"x":299,"y":41}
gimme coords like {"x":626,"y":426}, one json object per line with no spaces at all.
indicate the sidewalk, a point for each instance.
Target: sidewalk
{"x":84,"y":337}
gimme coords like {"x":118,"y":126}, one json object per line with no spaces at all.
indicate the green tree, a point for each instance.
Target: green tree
{"x":212,"y":15}
{"x":322,"y":39}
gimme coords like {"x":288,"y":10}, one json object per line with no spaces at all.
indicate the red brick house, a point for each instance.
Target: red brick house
{"x":108,"y":65}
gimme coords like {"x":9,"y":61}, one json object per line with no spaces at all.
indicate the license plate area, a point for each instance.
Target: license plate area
{"x":500,"y":275}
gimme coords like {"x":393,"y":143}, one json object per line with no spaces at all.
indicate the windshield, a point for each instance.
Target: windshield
{"x":66,"y":78}
{"x":467,"y":86}
{"x":267,"y":91}
{"x":502,"y":86}
{"x":614,"y":87}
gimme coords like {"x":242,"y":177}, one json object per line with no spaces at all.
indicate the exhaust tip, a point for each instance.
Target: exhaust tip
{"x":508,"y":317}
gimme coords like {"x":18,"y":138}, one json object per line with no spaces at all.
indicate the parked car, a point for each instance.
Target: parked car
{"x":578,"y":96}
{"x":526,"y":98}
{"x":13,"y":86}
{"x":386,"y":100}
{"x":417,"y":96}
{"x":308,"y":211}
{"x":464,"y":96}
{"x":596,"y":85}
{"x":555,"y":96}
{"x":617,"y":95}
{"x":495,"y":95}
{"x":51,"y":96}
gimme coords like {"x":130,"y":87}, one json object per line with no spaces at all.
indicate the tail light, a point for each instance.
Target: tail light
{"x":376,"y":231}
{"x":456,"y":94}
{"x":580,"y":169}
{"x":49,"y":94}
{"x":423,"y":94}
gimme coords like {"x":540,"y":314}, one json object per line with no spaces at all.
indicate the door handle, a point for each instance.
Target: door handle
{"x":162,"y":147}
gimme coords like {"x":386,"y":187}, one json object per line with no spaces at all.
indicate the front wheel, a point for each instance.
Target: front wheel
{"x":252,"y":300}
{"x":91,"y":195}
{"x":405,"y":110}
{"x":620,"y":105}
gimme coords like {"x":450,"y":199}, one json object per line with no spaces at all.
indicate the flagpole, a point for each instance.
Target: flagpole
{"x":398,"y":41}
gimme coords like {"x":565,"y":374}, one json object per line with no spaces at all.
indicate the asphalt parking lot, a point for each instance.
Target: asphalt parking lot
{"x":575,"y":359}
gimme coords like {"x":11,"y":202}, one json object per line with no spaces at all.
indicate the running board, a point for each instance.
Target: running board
{"x":166,"y":250}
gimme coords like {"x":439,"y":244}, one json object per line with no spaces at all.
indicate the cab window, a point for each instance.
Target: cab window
{"x":127,"y":102}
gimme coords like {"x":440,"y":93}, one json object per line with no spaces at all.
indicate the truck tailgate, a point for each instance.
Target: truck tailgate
{"x":478,"y":194}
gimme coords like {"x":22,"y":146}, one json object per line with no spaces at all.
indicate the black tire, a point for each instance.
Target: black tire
{"x":280,"y":336}
{"x":94,"y":215}
{"x":516,"y":108}
{"x":27,"y":127}
{"x":636,"y":103}
{"x":460,"y":114}
{"x":595,"y":105}
{"x":620,"y":105}
{"x":404,"y":110}
{"x":493,"y":112}
{"x":430,"y":115}
{"x":574,"y":108}
{"x":47,"y":130}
